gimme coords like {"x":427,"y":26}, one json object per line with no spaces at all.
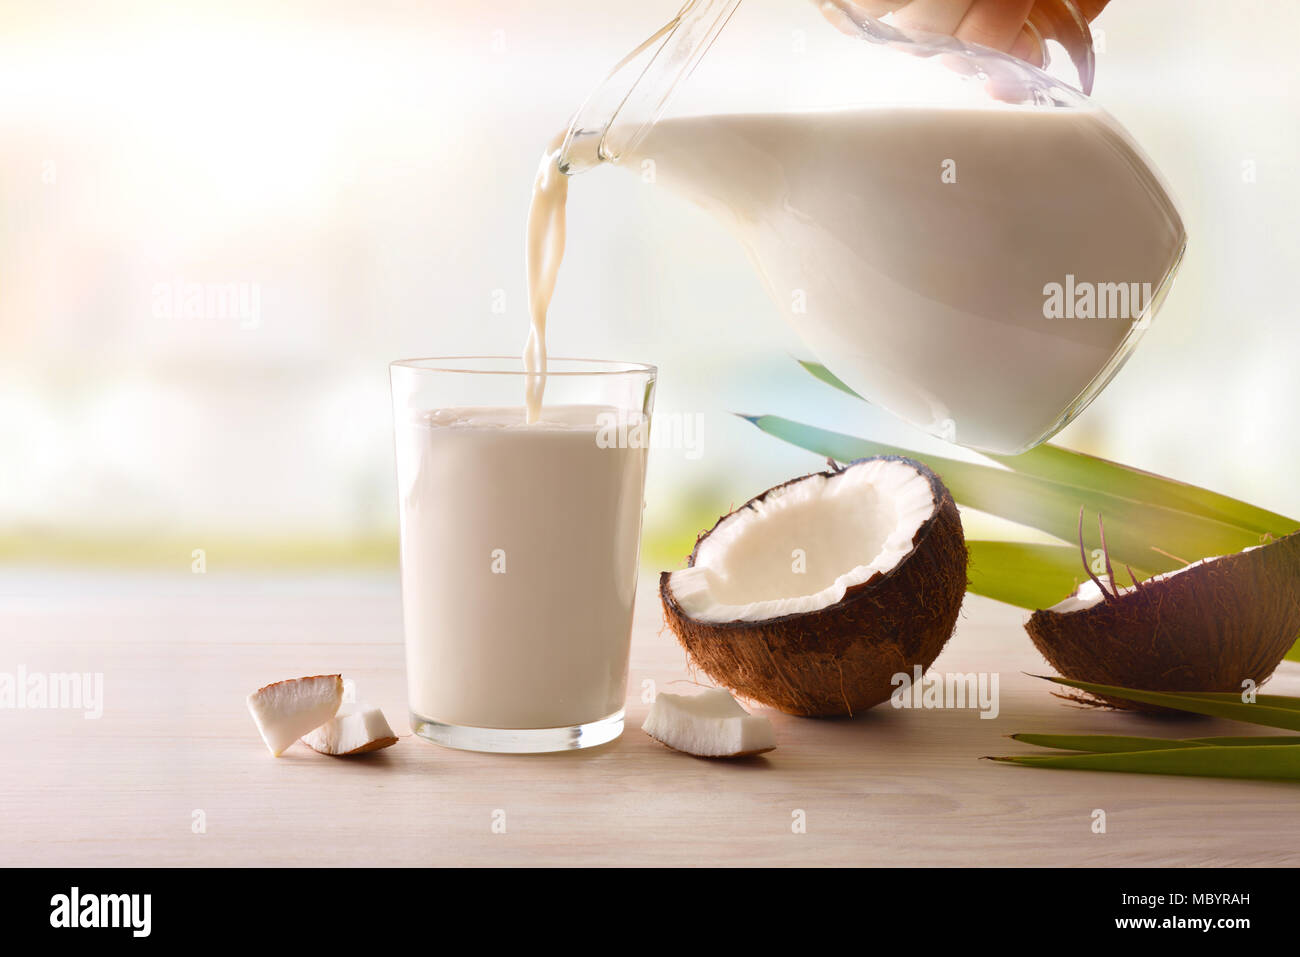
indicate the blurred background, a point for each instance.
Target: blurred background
{"x":349,"y":180}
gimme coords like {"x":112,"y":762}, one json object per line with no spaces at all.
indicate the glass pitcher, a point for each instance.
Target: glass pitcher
{"x":963,"y":238}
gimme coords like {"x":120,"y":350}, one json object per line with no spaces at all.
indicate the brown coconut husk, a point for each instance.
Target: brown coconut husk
{"x":1209,"y":628}
{"x":840,"y":660}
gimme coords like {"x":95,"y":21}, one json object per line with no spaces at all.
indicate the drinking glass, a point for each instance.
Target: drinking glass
{"x":519,"y":547}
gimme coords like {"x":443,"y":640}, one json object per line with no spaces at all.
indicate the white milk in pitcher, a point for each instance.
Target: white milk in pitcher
{"x":519,"y":563}
{"x":919,"y":251}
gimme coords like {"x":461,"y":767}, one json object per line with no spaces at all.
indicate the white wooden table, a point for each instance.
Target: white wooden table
{"x":175,"y":749}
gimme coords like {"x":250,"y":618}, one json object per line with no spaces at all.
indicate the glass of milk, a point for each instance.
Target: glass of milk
{"x":520,"y":547}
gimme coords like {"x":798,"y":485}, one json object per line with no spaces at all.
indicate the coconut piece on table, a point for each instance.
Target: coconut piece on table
{"x":711,"y":724}
{"x":352,"y":732}
{"x":286,"y":710}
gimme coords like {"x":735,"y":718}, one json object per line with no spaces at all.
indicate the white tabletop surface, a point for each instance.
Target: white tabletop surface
{"x":174,"y":772}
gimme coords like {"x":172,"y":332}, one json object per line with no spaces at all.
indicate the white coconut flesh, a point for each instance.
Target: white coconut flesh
{"x":352,"y":732}
{"x":711,"y":724}
{"x":1088,"y":594}
{"x":803,"y":545}
{"x":286,"y":710}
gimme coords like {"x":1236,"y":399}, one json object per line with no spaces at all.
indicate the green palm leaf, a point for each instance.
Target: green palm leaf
{"x":1141,"y":534}
{"x":1279,"y":762}
{"x":1114,"y":743}
{"x":1078,"y":469}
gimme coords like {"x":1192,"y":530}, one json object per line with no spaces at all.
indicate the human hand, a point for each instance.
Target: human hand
{"x":1018,"y":27}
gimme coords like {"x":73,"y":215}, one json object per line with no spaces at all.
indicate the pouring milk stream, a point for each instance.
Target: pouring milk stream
{"x":544,"y":253}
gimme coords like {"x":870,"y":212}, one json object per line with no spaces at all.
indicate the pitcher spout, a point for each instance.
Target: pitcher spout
{"x":619,"y":112}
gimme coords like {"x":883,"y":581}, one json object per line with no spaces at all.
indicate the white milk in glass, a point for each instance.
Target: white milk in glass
{"x":519,"y":564}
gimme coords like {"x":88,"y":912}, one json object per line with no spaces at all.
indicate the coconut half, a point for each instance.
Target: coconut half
{"x":1209,"y":626}
{"x":812,"y":596}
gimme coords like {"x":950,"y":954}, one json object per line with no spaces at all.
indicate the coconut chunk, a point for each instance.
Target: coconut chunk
{"x":286,"y":710}
{"x":711,"y":724}
{"x":351,"y":732}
